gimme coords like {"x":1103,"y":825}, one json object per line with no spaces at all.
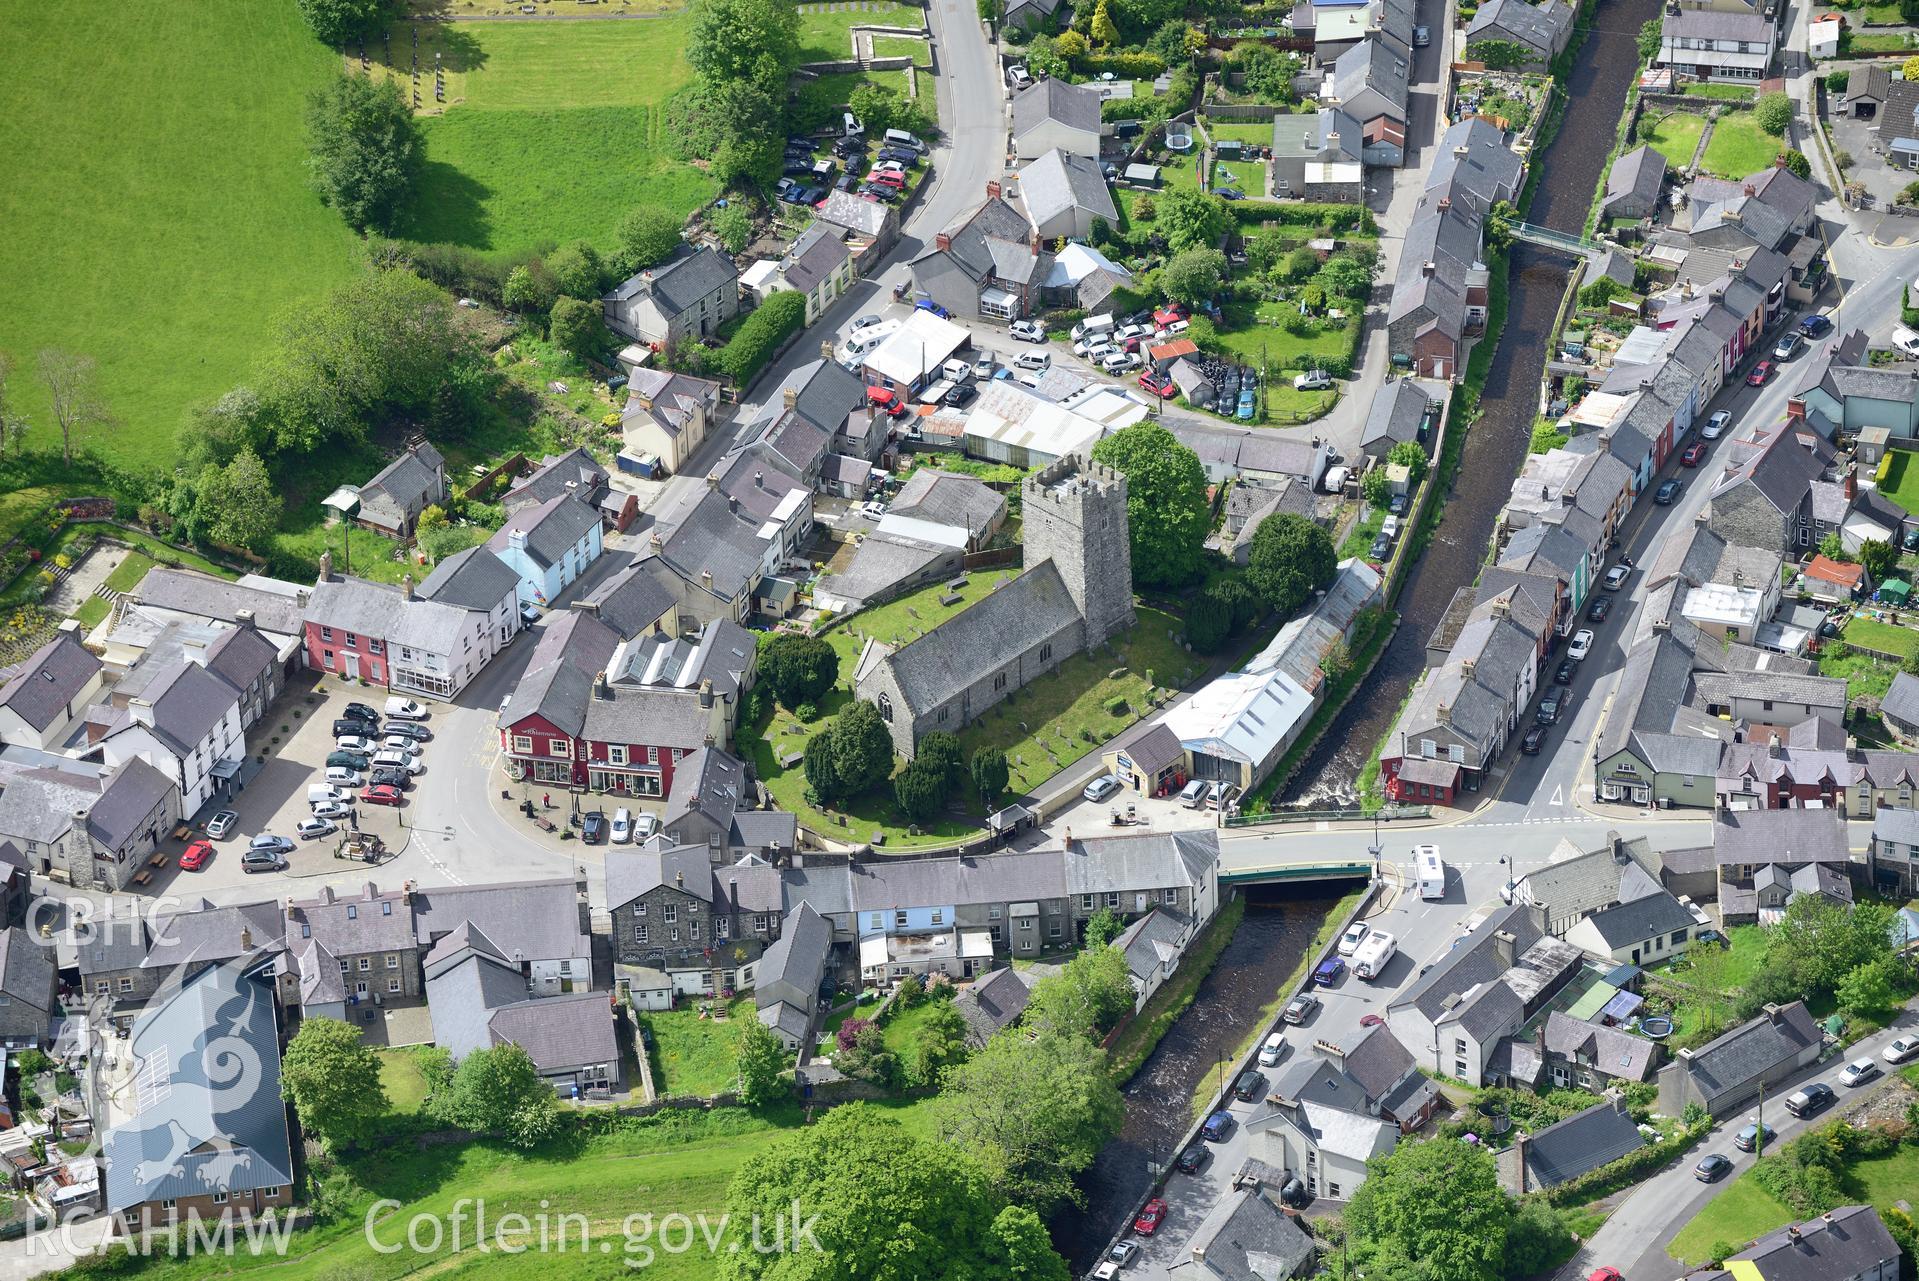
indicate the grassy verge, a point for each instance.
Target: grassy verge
{"x":1136,"y":1042}
{"x":1745,"y":1210}
{"x":1203,"y":1092}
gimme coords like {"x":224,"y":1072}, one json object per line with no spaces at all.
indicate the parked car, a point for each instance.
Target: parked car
{"x":271,"y":844}
{"x":1165,"y":389}
{"x":404,"y":709}
{"x":1597,"y":611}
{"x":1816,"y":1097}
{"x":1581,"y":645}
{"x":1693,"y":454}
{"x":1553,"y":705}
{"x":593,"y":827}
{"x":406,"y":729}
{"x":927,"y":304}
{"x":1616,"y":577}
{"x":622,"y":826}
{"x":1300,"y":1008}
{"x":1535,"y":738}
{"x":387,"y":776}
{"x":1272,"y":1050}
{"x":347,"y":760}
{"x":333,"y":809}
{"x":1760,"y":372}
{"x":1712,"y":1167}
{"x":1355,"y":935}
{"x":1192,"y":1159}
{"x":1328,"y":971}
{"x":341,"y":776}
{"x":196,"y":856}
{"x":1027,"y":331}
{"x":262,"y":861}
{"x":1748,"y":1139}
{"x":352,"y":725}
{"x":312,"y":829}
{"x":1171,"y":312}
{"x":1788,"y":345}
{"x":1816,"y":325}
{"x":1151,"y":1215}
{"x":1668,"y":492}
{"x":1250,"y":1085}
{"x":360,"y":711}
{"x":399,"y":743}
{"x":1606,"y":1274}
{"x":400,"y":761}
{"x":1716,"y":425}
{"x":1397,"y":504}
{"x":961,"y":396}
{"x":1313,"y":380}
{"x":1217,"y":1127}
{"x":1901,"y":1049}
{"x":221,"y":824}
{"x":1422,"y":36}
{"x":1568,"y":668}
{"x":1858,"y":1072}
{"x":1382,"y":548}
{"x":382,"y":794}
{"x":1100,"y":788}
{"x":1247,"y":405}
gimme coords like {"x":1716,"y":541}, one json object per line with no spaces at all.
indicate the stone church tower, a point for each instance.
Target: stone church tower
{"x":1074,"y":514}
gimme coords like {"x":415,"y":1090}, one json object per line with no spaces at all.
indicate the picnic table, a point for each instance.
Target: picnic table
{"x":159,"y":859}
{"x":142,"y":877}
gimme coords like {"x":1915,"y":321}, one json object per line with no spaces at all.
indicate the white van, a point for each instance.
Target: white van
{"x":404,"y":709}
{"x":322,"y":793}
{"x":957,"y":370}
{"x":1905,"y":340}
{"x":1094,"y":325}
{"x":1037,"y":361}
{"x":850,"y":123}
{"x":1431,"y":870}
{"x":901,"y":138}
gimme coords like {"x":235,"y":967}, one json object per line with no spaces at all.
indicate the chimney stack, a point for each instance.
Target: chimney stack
{"x":712,"y":480}
{"x":679,"y":879}
{"x":992,"y":189}
{"x":655,"y":543}
{"x":601,"y":688}
{"x":406,"y":585}
{"x":141,"y":710}
{"x":792,"y":397}
{"x":244,"y":617}
{"x":194,"y":650}
{"x":706,"y":693}
{"x":326,"y":566}
{"x":942,"y":242}
{"x":246,"y":939}
{"x":1503,"y":942}
{"x":1428,"y":268}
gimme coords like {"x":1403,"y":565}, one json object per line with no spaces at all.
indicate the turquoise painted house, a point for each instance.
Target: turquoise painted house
{"x":548,"y":546}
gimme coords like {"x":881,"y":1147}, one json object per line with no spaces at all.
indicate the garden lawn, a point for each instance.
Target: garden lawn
{"x":406,"y":1088}
{"x":155,"y":201}
{"x":1738,"y":147}
{"x":1258,"y":133}
{"x":826,"y":30}
{"x":1720,"y":92}
{"x":901,"y":47}
{"x":1881,"y":637}
{"x":902,"y":1031}
{"x":1674,"y":136}
{"x":1365,"y":529}
{"x":1744,"y":1210}
{"x":149,"y":551}
{"x":1256,"y":335}
{"x":1866,"y":677}
{"x":1901,"y":480}
{"x":553,"y":137}
{"x":692,"y":1055}
{"x":19,"y":506}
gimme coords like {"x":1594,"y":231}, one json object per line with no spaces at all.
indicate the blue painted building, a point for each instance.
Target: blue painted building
{"x":548,"y":546}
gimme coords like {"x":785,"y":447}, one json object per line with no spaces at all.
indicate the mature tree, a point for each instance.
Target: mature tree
{"x":1773,"y":112}
{"x":1145,"y":208}
{"x":920,"y":790}
{"x":529,"y":289}
{"x":867,"y":1058}
{"x":756,"y":41}
{"x":733,"y":225}
{"x":1431,"y":1211}
{"x":332,"y":1078}
{"x":862,"y":749}
{"x":737,"y":126}
{"x":498,"y":1090}
{"x":822,"y":770}
{"x":1269,"y":73}
{"x":1651,"y":37}
{"x":1796,"y":164}
{"x":1291,"y":558}
{"x":1879,"y":557}
{"x":337,"y":21}
{"x":1192,"y":219}
{"x":1033,"y":1110}
{"x":579,"y":327}
{"x":942,"y":751}
{"x":1375,"y":488}
{"x":13,"y":424}
{"x":1087,"y":997}
{"x":1536,"y":1240}
{"x":1238,"y":597}
{"x":577,"y":270}
{"x":1209,"y":623}
{"x":876,"y":106}
{"x":214,"y":435}
{"x":73,"y":392}
{"x":1874,"y":987}
{"x":1072,"y":46}
{"x":1411,"y":455}
{"x":990,"y":775}
{"x":1166,"y":506}
{"x":363,"y":150}
{"x":242,"y":503}
{"x":799,"y":669}
{"x":940,"y":1043}
{"x":1818,"y":942}
{"x":1173,"y":37}
{"x":1193,"y":276}
{"x":1347,"y":278}
{"x":1104,"y":30}
{"x":762,"y":1059}
{"x":1102,"y":927}
{"x":881,"y":1203}
{"x":648,"y":235}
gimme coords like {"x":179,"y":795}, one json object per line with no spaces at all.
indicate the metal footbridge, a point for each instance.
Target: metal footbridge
{"x":1547,"y":238}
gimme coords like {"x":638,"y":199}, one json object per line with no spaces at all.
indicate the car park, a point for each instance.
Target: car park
{"x":1100,"y":788}
{"x":382,"y":794}
{"x":1328,"y":971}
{"x":1300,"y":1008}
{"x":645,"y":825}
{"x":312,"y":829}
{"x":360,"y":711}
{"x":1760,"y":372}
{"x":1355,"y":935}
{"x":1151,"y":1215}
{"x":1693,"y":454}
{"x":1858,"y":1072}
{"x":348,"y":760}
{"x":399,"y":743}
{"x":1716,"y":425}
{"x":593,"y":827}
{"x":1582,"y":645}
{"x":1027,"y":331}
{"x":1037,"y":362}
{"x":1273,"y":1050}
{"x":1534,"y":739}
{"x":1217,"y":1127}
{"x":1748,"y":1139}
{"x":263,"y":861}
{"x":1554,"y":705}
{"x":341,"y":776}
{"x":1712,"y":1167}
{"x":1568,"y":668}
{"x":1816,"y":1097}
{"x":348,"y":726}
{"x":196,"y":856}
{"x":1597,"y":611}
{"x":1250,"y":1085}
{"x":220,"y":826}
{"x":1668,"y":492}
{"x":1901,"y":1049}
{"x":271,"y":844}
{"x":1164,"y":388}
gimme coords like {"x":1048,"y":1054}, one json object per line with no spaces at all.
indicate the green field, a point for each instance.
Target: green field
{"x":1738,"y":147}
{"x":554,"y":136}
{"x":1880,"y":637}
{"x":155,"y":201}
{"x":1675,"y":136}
{"x":1744,"y":1210}
{"x":826,"y":31}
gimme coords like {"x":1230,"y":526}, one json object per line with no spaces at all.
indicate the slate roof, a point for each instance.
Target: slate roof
{"x":377,"y":609}
{"x":812,"y":258}
{"x":403,"y":488}
{"x":200,"y":932}
{"x":1395,"y":416}
{"x":188,"y":703}
{"x":681,"y":281}
{"x":189,"y":592}
{"x":534,"y":920}
{"x":1151,"y":941}
{"x":1792,"y":837}
{"x":368,"y":921}
{"x":1851,"y":1241}
{"x":1377,"y":1061}
{"x":1061,"y":181}
{"x":633,"y":873}
{"x":40,"y":689}
{"x":714,"y":539}
{"x":651,"y":715}
{"x":1107,"y":864}
{"x":1752,"y":1048}
{"x":573,"y":472}
{"x":1542,"y":29}
{"x":1371,"y":79}
{"x":1613,"y":1052}
{"x":559,"y":1033}
{"x":193,"y":1127}
{"x":936,"y":666}
{"x":992,"y":1003}
{"x":947,"y":498}
{"x":628,"y":601}
{"x":472,"y":579}
{"x":879,"y":564}
{"x":129,"y":796}
{"x":1594,"y":879}
{"x":798,"y":955}
{"x":27,"y":969}
{"x":1245,"y":1237}
{"x":558,"y":684}
{"x":1151,"y":745}
{"x":1648,"y":917}
{"x":552,"y":529}
{"x":711,"y":782}
{"x":1583,"y":1141}
{"x":1901,"y":703}
{"x":670,"y":400}
{"x":1640,"y":173}
{"x":994,"y":241}
{"x":1075,"y":106}
{"x":1471,"y":963}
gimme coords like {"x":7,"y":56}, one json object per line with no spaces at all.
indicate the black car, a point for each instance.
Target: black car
{"x":1911,"y":541}
{"x":1668,"y":492}
{"x":849,"y":147}
{"x":959,"y":396}
{"x":391,"y":776}
{"x":1396,"y":505}
{"x":856,"y":164}
{"x":1250,"y":1086}
{"x":1816,"y":1097}
{"x":1712,"y":1167}
{"x":407,"y":729}
{"x":1192,"y":1159}
{"x":1555,"y":703}
{"x":798,"y":168}
{"x":846,"y":182}
{"x":354,"y":727}
{"x":880,"y":192}
{"x":1567,"y":670}
{"x":593,"y":827}
{"x":1381,"y":549}
{"x":1597,"y":611}
{"x":900,"y":155}
{"x":1534,"y":740}
{"x":360,"y":711}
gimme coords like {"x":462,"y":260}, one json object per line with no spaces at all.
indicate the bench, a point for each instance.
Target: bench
{"x":158,"y":860}
{"x":141,"y":878}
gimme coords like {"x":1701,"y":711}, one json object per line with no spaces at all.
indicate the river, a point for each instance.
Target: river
{"x":1570,"y":169}
{"x":1266,"y":949}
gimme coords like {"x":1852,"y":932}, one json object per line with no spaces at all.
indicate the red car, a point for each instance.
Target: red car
{"x":1150,"y":1217}
{"x":1606,"y":1274}
{"x":1760,"y":372}
{"x":886,"y":400}
{"x":892,"y":180}
{"x":1169,"y":313}
{"x":382,"y":794}
{"x":1164,"y":390}
{"x":196,"y":856}
{"x":1695,"y":453}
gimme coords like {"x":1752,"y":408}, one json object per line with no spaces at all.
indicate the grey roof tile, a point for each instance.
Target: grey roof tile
{"x":43,"y":687}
